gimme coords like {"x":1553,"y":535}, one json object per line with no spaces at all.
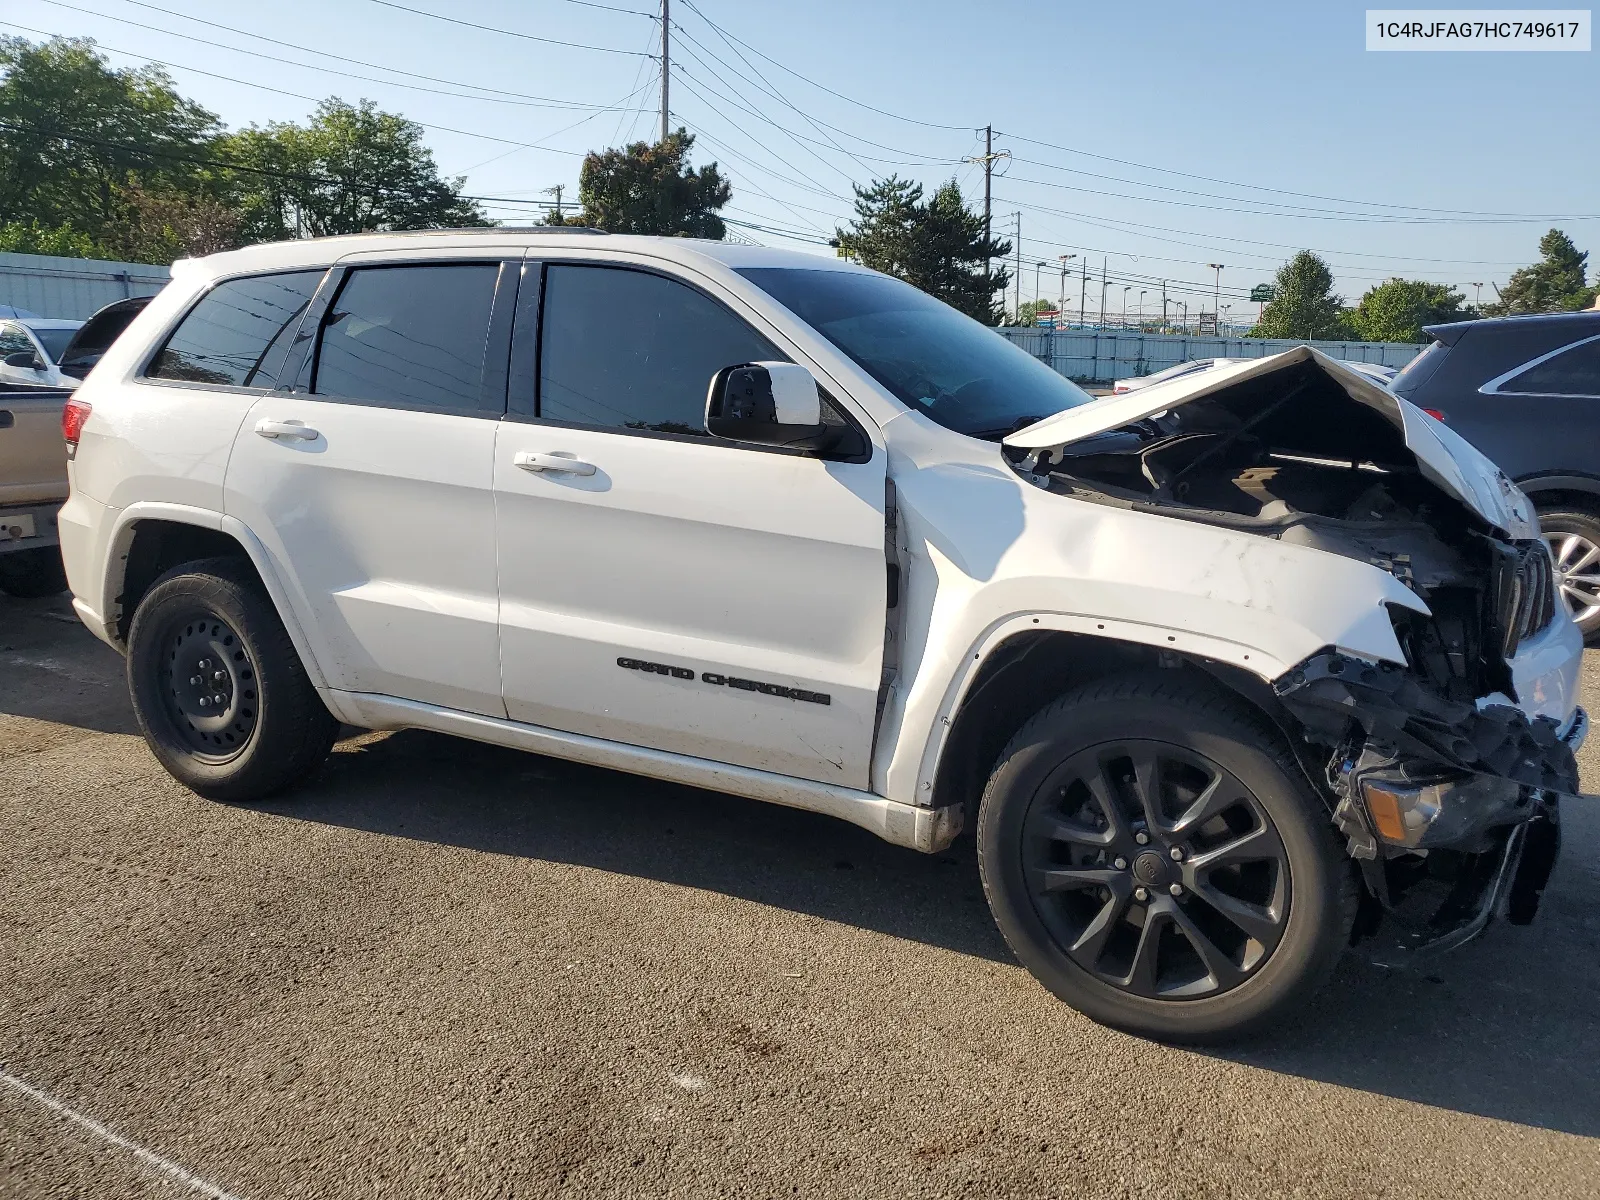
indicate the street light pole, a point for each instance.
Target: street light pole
{"x":1061,"y":305}
{"x":1477,"y":296}
{"x":1216,"y":295}
{"x":1126,"y":288}
{"x":1141,"y":307}
{"x":1102,"y":320}
{"x":1037,"y":267}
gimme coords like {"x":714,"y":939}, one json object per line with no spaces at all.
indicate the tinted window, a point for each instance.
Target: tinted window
{"x":961,"y":374}
{"x":239,"y":332}
{"x":630,"y":350}
{"x":412,"y":337}
{"x":1574,"y":372}
{"x":1419,"y":370}
{"x":54,"y":341}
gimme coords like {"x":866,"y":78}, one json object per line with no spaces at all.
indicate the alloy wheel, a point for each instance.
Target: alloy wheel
{"x":1577,"y":563}
{"x":1156,"y":870}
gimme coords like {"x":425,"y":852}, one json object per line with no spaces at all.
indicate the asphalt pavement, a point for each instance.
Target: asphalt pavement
{"x":445,"y":969}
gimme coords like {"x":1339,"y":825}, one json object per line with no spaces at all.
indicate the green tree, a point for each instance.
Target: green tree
{"x":1305,"y":306}
{"x":1397,"y":309}
{"x":74,"y":133}
{"x":30,"y":237}
{"x":1028,"y":315}
{"x":1553,"y":284}
{"x":937,"y":245}
{"x":652,"y":189}
{"x":351,"y":169}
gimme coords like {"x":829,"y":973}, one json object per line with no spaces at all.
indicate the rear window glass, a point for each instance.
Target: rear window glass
{"x":54,"y":341}
{"x":1419,"y":370}
{"x":1574,"y":371}
{"x":239,"y":333}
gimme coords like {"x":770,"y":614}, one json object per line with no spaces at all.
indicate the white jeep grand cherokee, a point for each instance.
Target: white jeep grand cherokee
{"x":1228,"y":673}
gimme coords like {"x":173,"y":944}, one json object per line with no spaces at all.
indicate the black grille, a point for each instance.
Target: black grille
{"x":1527,"y":599}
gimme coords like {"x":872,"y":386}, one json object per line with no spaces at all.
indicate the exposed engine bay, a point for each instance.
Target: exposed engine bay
{"x":1431,"y":768}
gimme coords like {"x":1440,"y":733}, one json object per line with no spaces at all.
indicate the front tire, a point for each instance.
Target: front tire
{"x":219,"y":692}
{"x":31,"y":574}
{"x":1153,"y":855}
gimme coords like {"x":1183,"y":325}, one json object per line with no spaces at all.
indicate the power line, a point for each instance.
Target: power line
{"x":488,"y":137}
{"x":1260,"y":187}
{"x":502,"y":98}
{"x":823,"y":87}
{"x":530,"y":37}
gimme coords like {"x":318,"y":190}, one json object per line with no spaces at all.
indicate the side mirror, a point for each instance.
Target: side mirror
{"x":24,"y":358}
{"x":767,"y":404}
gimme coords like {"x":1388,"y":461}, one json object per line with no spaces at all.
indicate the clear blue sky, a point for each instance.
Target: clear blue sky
{"x":1277,"y":97}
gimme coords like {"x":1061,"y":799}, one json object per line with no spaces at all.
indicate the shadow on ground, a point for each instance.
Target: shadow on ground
{"x":1501,"y":1029}
{"x":52,"y":669}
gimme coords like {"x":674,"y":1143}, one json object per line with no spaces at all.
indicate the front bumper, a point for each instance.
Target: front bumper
{"x":1450,"y":809}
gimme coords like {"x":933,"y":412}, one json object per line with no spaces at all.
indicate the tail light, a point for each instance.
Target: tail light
{"x":72,"y":418}
{"x":1117,"y":391}
{"x":1435,"y":413}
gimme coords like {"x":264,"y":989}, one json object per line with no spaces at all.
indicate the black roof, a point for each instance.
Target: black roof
{"x":1585,"y":320}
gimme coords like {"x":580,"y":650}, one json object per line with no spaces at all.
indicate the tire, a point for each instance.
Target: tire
{"x":212,"y":621}
{"x":30,"y":574}
{"x":1573,"y":535}
{"x":1262,"y":879}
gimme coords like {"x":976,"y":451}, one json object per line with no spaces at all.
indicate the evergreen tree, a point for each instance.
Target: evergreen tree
{"x":1553,"y":284}
{"x":1305,"y":306}
{"x":937,"y":245}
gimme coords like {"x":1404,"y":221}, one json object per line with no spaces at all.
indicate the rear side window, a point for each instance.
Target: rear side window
{"x":238,"y":334}
{"x":409,"y":337}
{"x":630,"y":350}
{"x":1574,"y":371}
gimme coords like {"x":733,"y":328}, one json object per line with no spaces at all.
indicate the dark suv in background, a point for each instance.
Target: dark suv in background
{"x":1526,"y":391}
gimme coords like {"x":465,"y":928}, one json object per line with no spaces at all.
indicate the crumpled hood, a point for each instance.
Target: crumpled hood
{"x":1444,"y":457}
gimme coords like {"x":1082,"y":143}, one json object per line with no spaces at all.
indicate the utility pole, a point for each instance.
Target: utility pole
{"x":1163,"y":305}
{"x":988,"y":158}
{"x":556,"y":192}
{"x":1061,"y":305}
{"x":1083,"y":291}
{"x":1216,"y":294}
{"x":1102,"y":319}
{"x":666,"y":66}
{"x":1018,"y":215}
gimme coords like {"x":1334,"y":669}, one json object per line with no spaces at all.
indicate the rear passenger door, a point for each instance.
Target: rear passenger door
{"x":367,"y":474}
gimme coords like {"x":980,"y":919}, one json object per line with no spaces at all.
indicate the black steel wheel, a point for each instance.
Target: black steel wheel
{"x":1156,"y":870}
{"x":1156,"y":858}
{"x":219,"y":691}
{"x":209,"y":684}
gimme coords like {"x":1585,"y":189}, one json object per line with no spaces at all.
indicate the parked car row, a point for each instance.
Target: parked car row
{"x":1220,"y":671}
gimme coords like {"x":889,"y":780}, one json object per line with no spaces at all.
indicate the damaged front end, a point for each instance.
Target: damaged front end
{"x":1443,"y":769}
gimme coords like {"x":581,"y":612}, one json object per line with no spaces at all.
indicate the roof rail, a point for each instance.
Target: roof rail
{"x":518,"y":229}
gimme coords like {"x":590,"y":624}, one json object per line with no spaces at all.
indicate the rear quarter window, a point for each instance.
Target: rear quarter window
{"x":238,"y":333}
{"x":1419,"y":370}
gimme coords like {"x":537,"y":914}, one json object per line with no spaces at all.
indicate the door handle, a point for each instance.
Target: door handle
{"x":533,"y":460}
{"x":269,"y":428}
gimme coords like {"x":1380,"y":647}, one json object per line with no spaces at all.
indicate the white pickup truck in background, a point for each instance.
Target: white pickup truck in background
{"x":1224,"y":674}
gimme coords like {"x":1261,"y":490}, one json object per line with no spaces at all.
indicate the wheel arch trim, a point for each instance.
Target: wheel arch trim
{"x":1251,"y":659}
{"x":121,"y":541}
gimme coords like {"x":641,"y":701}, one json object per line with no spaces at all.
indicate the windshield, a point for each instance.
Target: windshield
{"x":54,"y":341}
{"x":960,"y":373}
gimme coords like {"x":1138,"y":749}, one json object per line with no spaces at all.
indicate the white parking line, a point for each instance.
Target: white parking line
{"x":163,"y":1166}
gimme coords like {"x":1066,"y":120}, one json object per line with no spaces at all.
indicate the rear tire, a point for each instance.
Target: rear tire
{"x":1248,"y":899}
{"x":219,"y":692}
{"x":30,"y":574}
{"x":1573,"y":535}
